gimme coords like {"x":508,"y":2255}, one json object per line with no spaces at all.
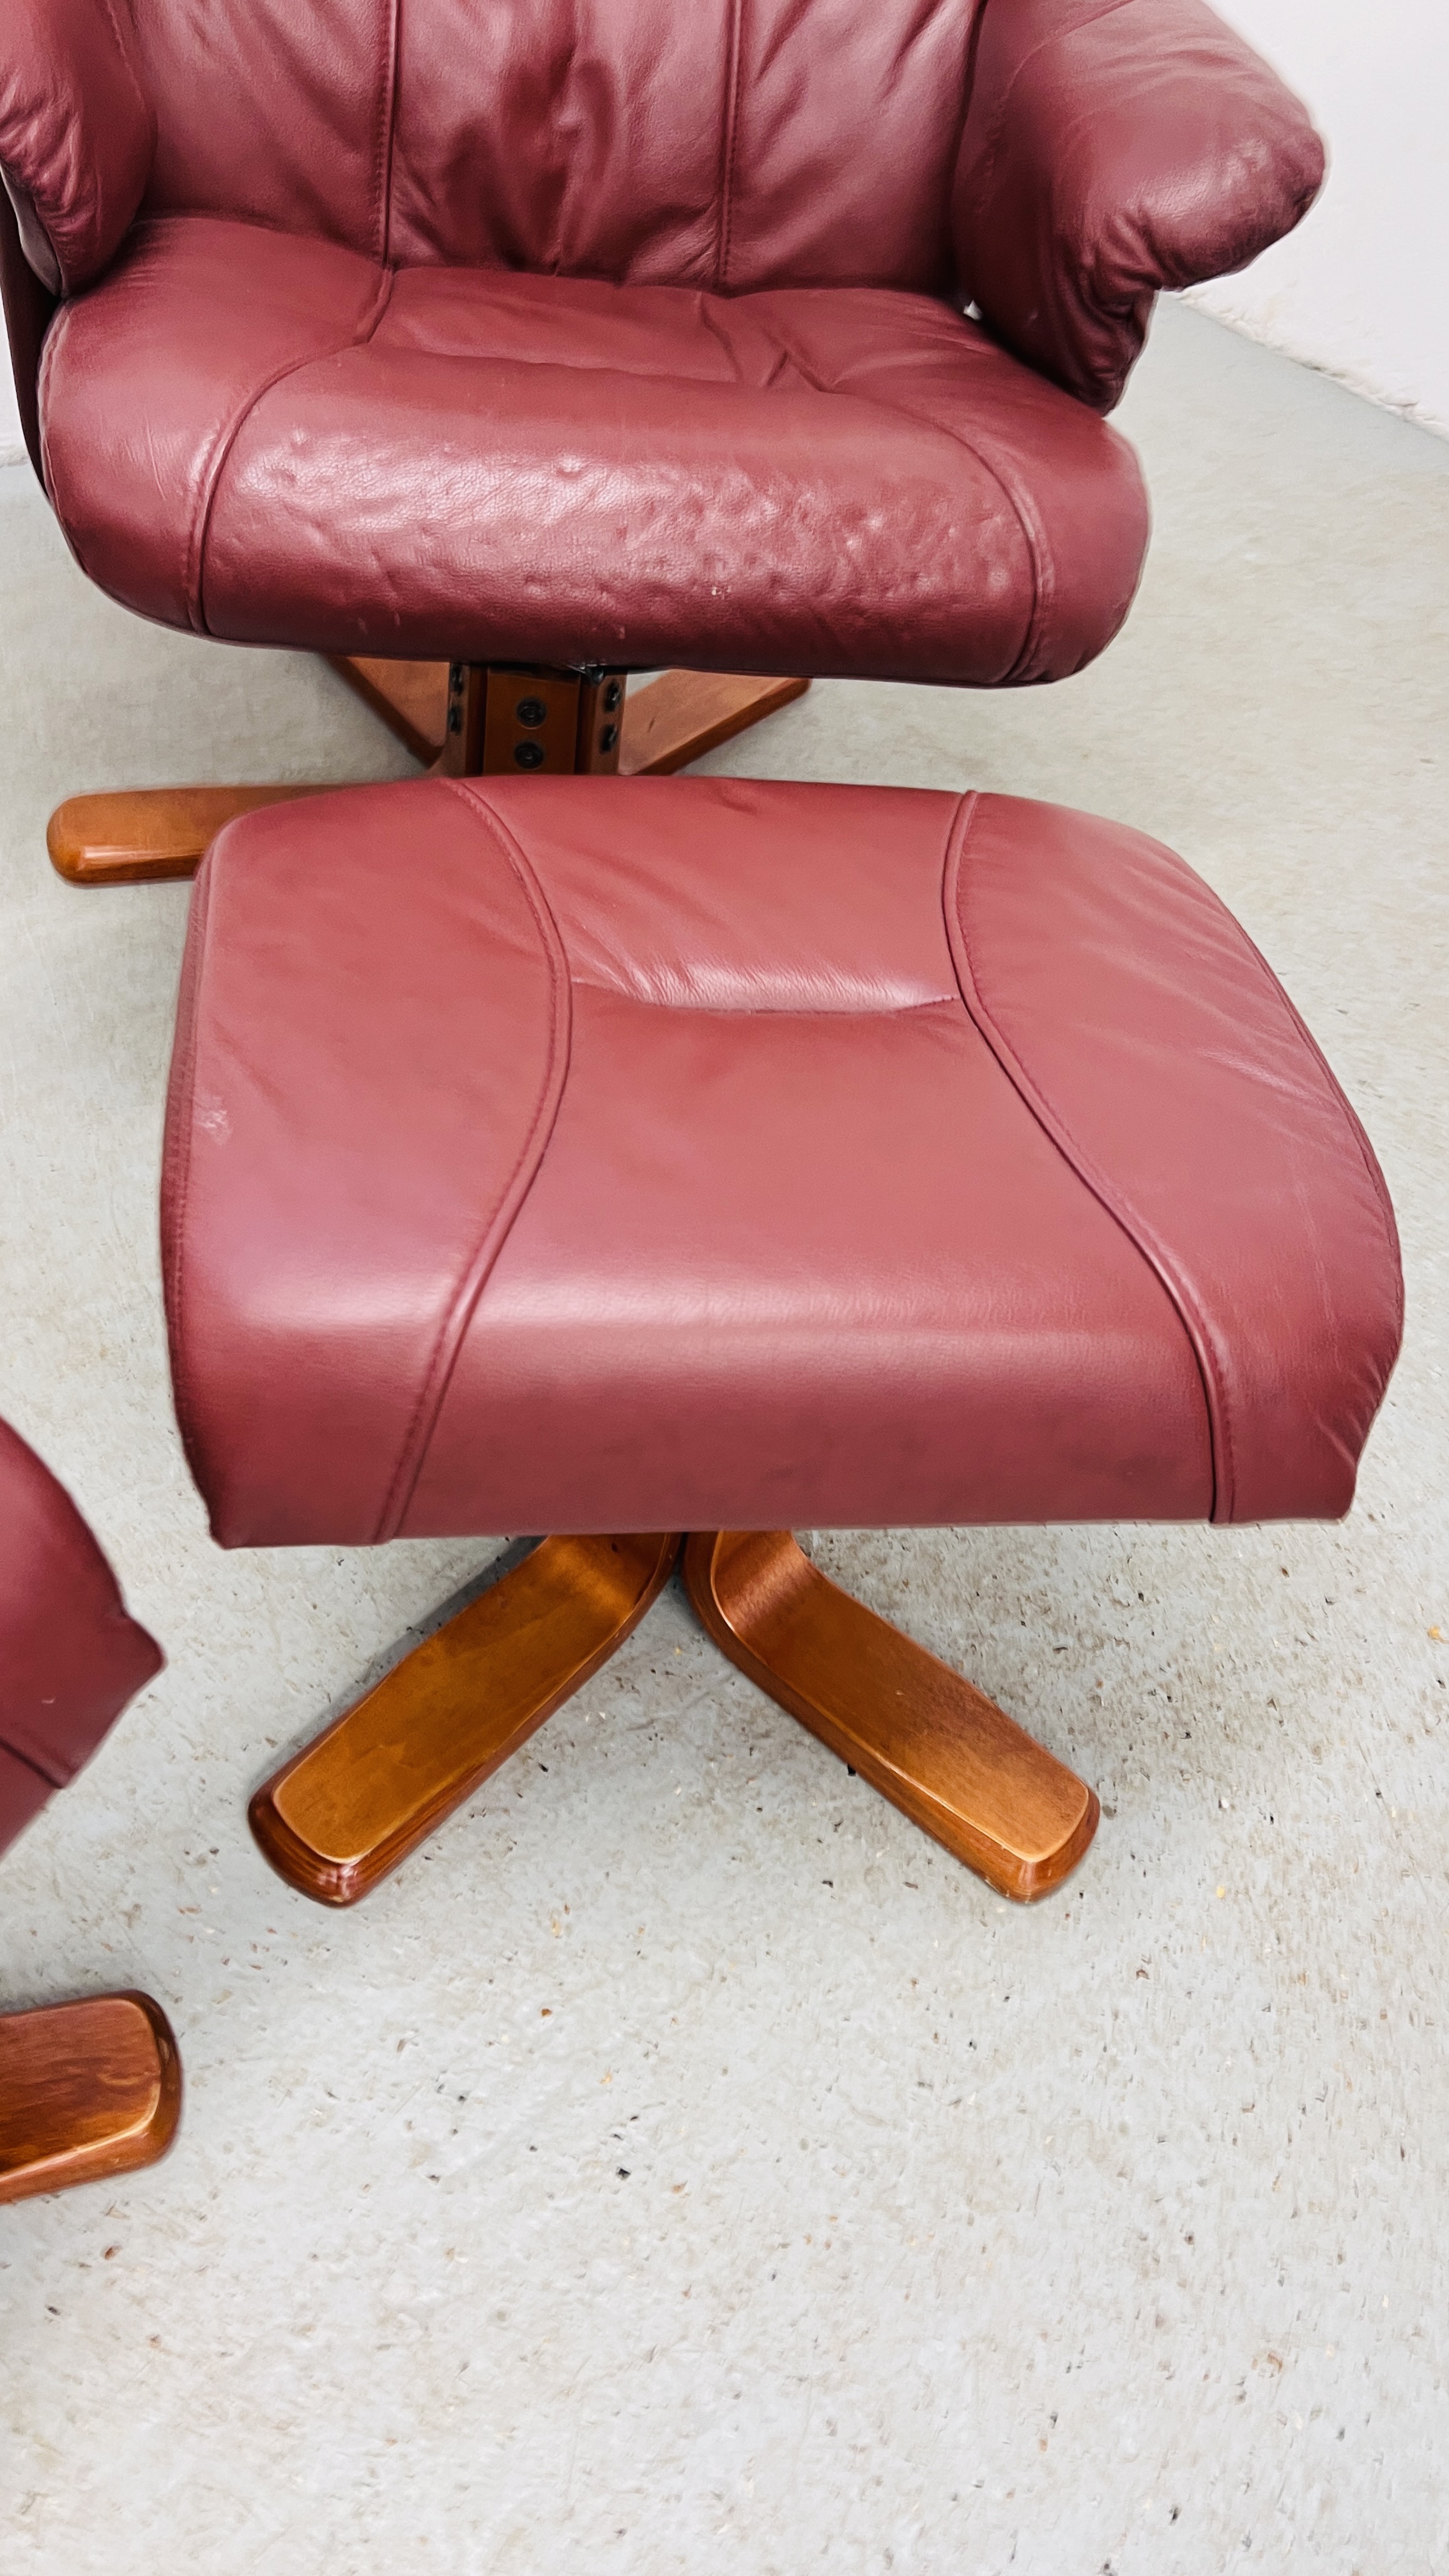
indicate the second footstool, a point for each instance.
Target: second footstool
{"x":718,"y":1157}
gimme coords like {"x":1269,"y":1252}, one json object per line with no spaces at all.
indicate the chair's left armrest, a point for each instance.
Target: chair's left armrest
{"x":77,"y":133}
{"x":1111,"y":148}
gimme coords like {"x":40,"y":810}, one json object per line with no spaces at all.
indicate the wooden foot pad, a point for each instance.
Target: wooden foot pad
{"x":87,"y":2090}
{"x":667,"y":723}
{"x":948,"y":1757}
{"x":141,"y":835}
{"x":342,"y":1814}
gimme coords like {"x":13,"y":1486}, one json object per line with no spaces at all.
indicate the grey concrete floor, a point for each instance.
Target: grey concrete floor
{"x":681,"y":2165}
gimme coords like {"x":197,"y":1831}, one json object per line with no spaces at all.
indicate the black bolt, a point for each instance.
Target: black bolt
{"x":613,"y":697}
{"x":455,"y":717}
{"x":608,"y":737}
{"x":529,"y":755}
{"x":531,"y":711}
{"x":455,"y":676}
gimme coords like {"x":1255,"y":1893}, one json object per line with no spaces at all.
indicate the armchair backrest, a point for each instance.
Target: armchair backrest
{"x":712,"y":143}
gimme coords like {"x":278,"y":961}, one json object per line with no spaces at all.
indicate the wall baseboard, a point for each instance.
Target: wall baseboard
{"x":1217,"y":299}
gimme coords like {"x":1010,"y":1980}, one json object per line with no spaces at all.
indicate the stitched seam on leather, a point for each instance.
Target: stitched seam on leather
{"x":48,"y":1780}
{"x":716,"y":333}
{"x":1347,"y":1112}
{"x":178,"y":1157}
{"x":968,"y":94}
{"x":132,"y":75}
{"x":761,"y":1011}
{"x":194,"y":573}
{"x":48,"y":347}
{"x":984,"y":165}
{"x":1055,"y":1128}
{"x":727,"y":160}
{"x":388,"y":128}
{"x":1040,"y":579}
{"x":511,"y":1199}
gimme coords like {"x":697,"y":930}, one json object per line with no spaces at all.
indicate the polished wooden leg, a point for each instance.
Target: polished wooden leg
{"x":141,"y":834}
{"x":87,"y":2090}
{"x":679,"y":717}
{"x":948,"y":1757}
{"x":411,"y":698}
{"x":342,"y":1814}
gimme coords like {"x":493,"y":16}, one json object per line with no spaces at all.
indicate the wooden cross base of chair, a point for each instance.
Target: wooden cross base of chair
{"x":462,"y":719}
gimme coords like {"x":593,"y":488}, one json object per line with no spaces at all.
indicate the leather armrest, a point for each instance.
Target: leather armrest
{"x":71,"y":1655}
{"x":1113,"y":147}
{"x":77,"y":134}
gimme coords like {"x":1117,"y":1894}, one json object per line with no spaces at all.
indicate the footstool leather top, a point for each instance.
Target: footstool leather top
{"x":598,"y":1155}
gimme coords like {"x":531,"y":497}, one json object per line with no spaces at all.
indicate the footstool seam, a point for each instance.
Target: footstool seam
{"x":451,"y":1332}
{"x":53,"y":1779}
{"x":1054,"y":1126}
{"x":177,"y":1155}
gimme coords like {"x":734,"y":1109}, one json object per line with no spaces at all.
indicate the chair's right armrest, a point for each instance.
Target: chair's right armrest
{"x":1113,"y":148}
{"x":77,"y":134}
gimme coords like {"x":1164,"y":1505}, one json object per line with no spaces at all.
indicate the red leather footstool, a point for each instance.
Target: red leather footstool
{"x":93,"y":2088}
{"x":720,"y":1157}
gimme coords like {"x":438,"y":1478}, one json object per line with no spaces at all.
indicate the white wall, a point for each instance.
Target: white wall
{"x":1362,"y":288}
{"x":11,"y":443}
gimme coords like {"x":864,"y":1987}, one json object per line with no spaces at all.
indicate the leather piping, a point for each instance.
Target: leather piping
{"x":225,"y":439}
{"x":727,"y":156}
{"x":48,"y":1779}
{"x":1139,"y":1233}
{"x":962,"y":285}
{"x":1038,"y":555}
{"x":766,"y":1010}
{"x":387,"y":136}
{"x":176,"y":1157}
{"x":129,"y":66}
{"x":499,"y":1224}
{"x":982,"y":167}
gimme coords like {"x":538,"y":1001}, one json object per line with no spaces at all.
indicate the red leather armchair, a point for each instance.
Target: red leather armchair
{"x":590,"y":335}
{"x":91,"y":2088}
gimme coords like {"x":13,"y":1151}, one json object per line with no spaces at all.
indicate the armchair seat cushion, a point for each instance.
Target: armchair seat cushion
{"x":576,"y":1154}
{"x":273,"y":439}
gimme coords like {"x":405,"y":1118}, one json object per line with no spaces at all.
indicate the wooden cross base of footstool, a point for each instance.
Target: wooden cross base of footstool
{"x":750,"y":1151}
{"x":341,"y":1815}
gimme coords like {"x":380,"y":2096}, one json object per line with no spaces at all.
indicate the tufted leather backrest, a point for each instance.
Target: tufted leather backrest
{"x":718,"y":143}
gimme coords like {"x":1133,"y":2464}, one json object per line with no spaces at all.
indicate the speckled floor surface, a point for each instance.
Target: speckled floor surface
{"x":681,"y":2168}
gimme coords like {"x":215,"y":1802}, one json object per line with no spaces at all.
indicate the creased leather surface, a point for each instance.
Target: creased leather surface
{"x":1112,"y":148}
{"x":718,"y":144}
{"x":28,"y":311}
{"x":276,"y":111}
{"x":70,"y":1654}
{"x":1187,"y":1094}
{"x":76,"y":129}
{"x":147,"y":380}
{"x":1058,"y":160}
{"x":801,"y":1244}
{"x":273,"y":440}
{"x":287,"y":1173}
